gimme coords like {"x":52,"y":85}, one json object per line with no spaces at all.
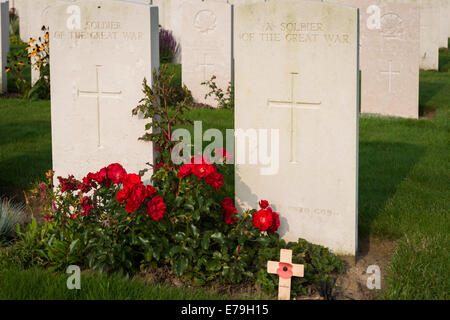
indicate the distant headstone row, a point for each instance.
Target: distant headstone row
{"x":397,"y":39}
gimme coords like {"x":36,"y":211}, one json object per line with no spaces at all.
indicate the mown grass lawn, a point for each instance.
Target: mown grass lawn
{"x":404,"y":181}
{"x":37,"y":284}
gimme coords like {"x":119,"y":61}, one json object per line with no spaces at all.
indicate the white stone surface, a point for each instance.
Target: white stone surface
{"x":100,"y":53}
{"x":4,"y":43}
{"x":207,"y":47}
{"x":429,"y":34}
{"x":445,"y":23}
{"x":296,"y":71}
{"x":448,"y":17}
{"x":171,"y":18}
{"x":389,"y":64}
{"x":21,"y":7}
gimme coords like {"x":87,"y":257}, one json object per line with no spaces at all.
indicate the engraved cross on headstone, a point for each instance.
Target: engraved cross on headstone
{"x":390,"y":73}
{"x":98,"y":94}
{"x":205,"y":66}
{"x":293,"y":104}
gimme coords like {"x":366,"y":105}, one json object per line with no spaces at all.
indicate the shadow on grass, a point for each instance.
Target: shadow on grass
{"x":24,"y":132}
{"x":20,"y":172}
{"x":444,"y":60}
{"x":428,"y":90}
{"x":382,"y":168}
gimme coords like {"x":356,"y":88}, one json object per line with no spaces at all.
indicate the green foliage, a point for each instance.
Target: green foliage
{"x":10,"y":215}
{"x":155,"y":105}
{"x":225,"y":99}
{"x":168,"y":46}
{"x":17,"y":62}
{"x":319,"y":264}
{"x":14,"y":26}
{"x":38,"y":52}
{"x":37,"y":55}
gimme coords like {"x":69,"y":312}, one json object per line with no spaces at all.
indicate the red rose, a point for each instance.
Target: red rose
{"x":122,"y":195}
{"x":86,"y":206}
{"x":150,"y":190}
{"x":215,"y":179}
{"x":131,"y":206}
{"x":229,"y":210}
{"x":262,"y":219}
{"x":90,"y":177}
{"x":69,"y":184}
{"x":264,"y":204}
{"x":202,"y":170}
{"x":101,"y":175}
{"x":156,"y":208}
{"x":138,"y":193}
{"x":275,"y":222}
{"x":131,"y":179}
{"x":230,"y":219}
{"x":116,"y":173}
{"x":185,"y":170}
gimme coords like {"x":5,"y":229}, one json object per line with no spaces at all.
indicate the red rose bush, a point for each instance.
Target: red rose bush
{"x":181,"y":218}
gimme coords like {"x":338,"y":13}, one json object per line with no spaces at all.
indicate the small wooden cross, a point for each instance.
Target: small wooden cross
{"x":285,"y":270}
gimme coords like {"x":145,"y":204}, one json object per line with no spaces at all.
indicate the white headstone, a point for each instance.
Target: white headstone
{"x":207,"y":47}
{"x":445,"y":23}
{"x":4,"y":42}
{"x":389,"y":56}
{"x":100,"y":53}
{"x":21,"y":7}
{"x":171,"y":18}
{"x":296,"y":71}
{"x":429,"y":34}
{"x":448,"y":24}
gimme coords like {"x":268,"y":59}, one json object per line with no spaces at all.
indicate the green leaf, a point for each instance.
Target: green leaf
{"x":213,"y":265}
{"x":219,"y":237}
{"x":72,"y":245}
{"x":174,"y":250}
{"x":194,"y":230}
{"x":205,"y":242}
{"x":180,"y":236}
{"x":180,"y":265}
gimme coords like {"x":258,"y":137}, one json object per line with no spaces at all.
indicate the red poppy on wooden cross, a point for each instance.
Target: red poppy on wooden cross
{"x":285,"y":270}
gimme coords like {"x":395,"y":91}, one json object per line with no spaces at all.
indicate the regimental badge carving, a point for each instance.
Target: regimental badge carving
{"x":392,"y":26}
{"x":205,"y":21}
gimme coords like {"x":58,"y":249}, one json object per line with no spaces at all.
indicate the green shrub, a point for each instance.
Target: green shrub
{"x":225,"y":99}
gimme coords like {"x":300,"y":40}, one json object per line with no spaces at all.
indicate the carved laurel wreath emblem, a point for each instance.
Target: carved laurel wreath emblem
{"x":205,"y":21}
{"x":392,"y":26}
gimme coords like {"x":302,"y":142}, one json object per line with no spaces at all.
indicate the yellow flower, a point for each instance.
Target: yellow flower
{"x":20,"y":63}
{"x":7,"y":69}
{"x":31,"y":40}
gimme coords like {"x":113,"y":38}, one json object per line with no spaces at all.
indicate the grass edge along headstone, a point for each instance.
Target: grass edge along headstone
{"x":101,"y":51}
{"x":296,"y":73}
